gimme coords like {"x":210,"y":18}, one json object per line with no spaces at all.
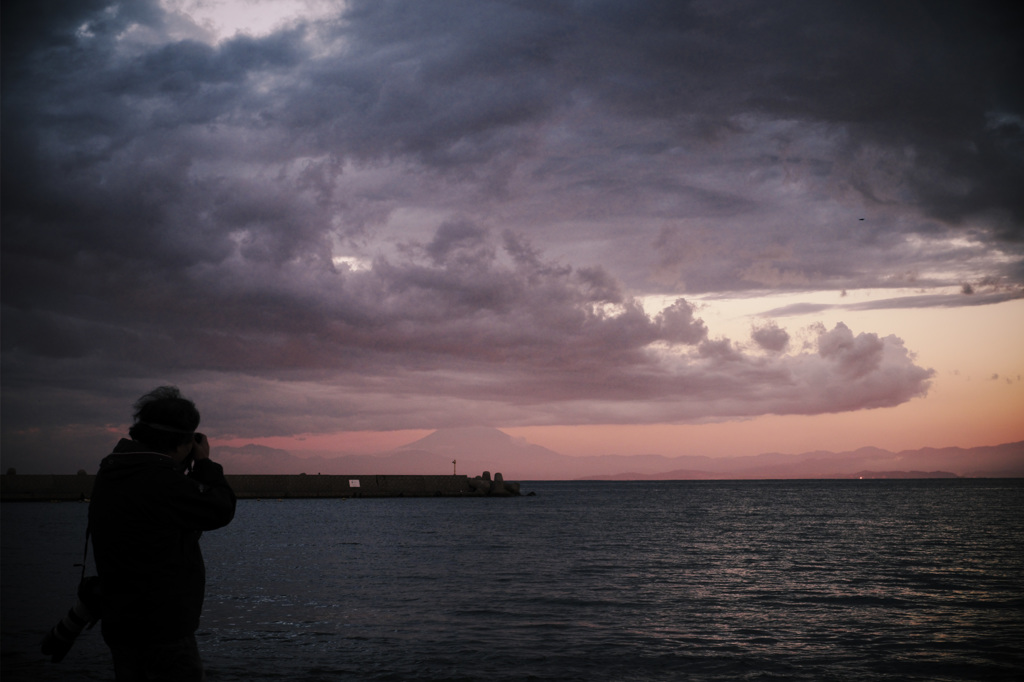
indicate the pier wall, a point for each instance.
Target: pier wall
{"x":42,"y":487}
{"x":307,"y":486}
{"x":56,"y":487}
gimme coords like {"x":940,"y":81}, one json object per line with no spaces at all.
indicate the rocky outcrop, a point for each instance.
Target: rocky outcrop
{"x":498,"y":487}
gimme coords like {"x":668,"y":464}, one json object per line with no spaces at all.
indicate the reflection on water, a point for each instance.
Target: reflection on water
{"x":802,"y":580}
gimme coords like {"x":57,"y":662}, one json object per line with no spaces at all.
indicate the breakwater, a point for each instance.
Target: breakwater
{"x":57,"y":487}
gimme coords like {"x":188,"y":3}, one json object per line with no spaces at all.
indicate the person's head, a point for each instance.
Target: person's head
{"x":164,"y":420}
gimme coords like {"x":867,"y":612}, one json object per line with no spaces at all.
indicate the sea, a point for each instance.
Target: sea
{"x":585,"y":580}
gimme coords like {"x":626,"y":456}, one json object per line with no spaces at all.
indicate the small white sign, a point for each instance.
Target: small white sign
{"x":353,"y":483}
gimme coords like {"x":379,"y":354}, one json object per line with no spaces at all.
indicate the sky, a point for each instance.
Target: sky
{"x":608,"y":227}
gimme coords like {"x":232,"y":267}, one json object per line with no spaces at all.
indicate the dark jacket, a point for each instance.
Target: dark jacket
{"x":146,"y":518}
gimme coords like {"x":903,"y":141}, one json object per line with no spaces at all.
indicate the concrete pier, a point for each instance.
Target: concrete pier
{"x":307,"y":486}
{"x":43,"y":487}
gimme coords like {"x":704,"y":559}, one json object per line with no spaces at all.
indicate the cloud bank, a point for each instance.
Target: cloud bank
{"x":431,"y":214}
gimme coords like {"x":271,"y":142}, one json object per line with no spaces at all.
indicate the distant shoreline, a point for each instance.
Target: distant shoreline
{"x":72,"y":488}
{"x":707,"y":476}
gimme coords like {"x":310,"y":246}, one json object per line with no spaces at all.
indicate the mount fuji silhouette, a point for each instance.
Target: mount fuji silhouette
{"x":479,"y":449}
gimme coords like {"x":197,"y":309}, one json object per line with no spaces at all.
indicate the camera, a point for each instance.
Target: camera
{"x":85,"y":612}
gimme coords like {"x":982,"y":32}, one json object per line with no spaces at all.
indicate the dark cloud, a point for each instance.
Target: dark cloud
{"x":462,"y":204}
{"x":458,"y":321}
{"x":669,"y":112}
{"x":930,"y":88}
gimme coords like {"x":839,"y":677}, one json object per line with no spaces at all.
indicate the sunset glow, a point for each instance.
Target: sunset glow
{"x":603,"y":228}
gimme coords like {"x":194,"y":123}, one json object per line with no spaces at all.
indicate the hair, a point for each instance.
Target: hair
{"x":164,"y":419}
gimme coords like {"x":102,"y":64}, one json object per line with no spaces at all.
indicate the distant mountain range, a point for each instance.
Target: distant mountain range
{"x":479,"y":449}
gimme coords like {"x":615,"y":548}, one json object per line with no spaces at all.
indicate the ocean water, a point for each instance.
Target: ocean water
{"x":751,"y":580}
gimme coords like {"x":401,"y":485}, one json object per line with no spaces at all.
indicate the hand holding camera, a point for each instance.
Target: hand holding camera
{"x":201,"y":448}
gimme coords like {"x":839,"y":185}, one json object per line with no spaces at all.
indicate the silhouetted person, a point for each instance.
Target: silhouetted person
{"x":146,"y":515}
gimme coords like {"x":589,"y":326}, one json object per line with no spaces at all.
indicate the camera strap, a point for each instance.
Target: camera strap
{"x":85,"y":551}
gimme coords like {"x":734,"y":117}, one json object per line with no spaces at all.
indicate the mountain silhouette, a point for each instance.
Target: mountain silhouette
{"x":479,"y":449}
{"x":470,"y":440}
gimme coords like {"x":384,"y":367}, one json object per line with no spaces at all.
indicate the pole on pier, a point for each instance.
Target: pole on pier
{"x":453,"y":467}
